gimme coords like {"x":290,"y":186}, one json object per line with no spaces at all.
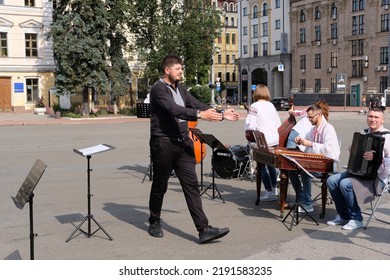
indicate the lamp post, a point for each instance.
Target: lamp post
{"x":212,"y":103}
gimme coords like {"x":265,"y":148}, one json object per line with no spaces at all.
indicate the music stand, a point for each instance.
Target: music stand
{"x":143,"y":111}
{"x":294,"y":211}
{"x":214,"y":143}
{"x":198,"y":134}
{"x":88,"y":152}
{"x":26,"y":194}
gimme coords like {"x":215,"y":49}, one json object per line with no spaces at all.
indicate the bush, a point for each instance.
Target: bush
{"x":202,"y":93}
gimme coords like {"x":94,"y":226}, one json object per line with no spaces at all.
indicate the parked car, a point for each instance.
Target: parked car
{"x":281,"y":103}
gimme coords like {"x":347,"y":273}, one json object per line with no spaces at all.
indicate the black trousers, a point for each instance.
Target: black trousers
{"x":167,"y":155}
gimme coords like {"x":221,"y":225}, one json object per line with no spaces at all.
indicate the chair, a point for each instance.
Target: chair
{"x":374,"y":204}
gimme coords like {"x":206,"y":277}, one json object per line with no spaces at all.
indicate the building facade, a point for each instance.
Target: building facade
{"x":340,"y":47}
{"x":264,"y":47}
{"x":224,"y":68}
{"x":26,"y":57}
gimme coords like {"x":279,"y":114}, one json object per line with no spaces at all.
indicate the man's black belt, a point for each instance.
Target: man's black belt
{"x":176,"y":139}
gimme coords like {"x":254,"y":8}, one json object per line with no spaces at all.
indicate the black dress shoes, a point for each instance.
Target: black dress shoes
{"x":211,"y":233}
{"x":155,"y":230}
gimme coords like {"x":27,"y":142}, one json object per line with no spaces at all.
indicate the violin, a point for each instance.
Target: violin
{"x":199,"y":147}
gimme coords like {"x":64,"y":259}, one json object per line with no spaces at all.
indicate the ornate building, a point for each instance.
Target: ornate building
{"x":340,"y":47}
{"x":26,"y":57}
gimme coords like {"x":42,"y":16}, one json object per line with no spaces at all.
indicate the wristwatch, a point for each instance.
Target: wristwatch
{"x":198,"y":115}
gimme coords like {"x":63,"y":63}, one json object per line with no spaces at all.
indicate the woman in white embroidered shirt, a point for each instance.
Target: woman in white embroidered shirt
{"x":262,"y":116}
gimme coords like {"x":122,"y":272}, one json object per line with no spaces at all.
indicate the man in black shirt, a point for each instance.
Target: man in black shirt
{"x":171,"y":106}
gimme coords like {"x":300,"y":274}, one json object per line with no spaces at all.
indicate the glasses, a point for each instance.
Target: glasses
{"x":312,"y":117}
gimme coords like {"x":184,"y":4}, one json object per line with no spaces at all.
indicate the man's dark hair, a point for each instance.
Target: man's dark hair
{"x":170,"y":60}
{"x":314,"y":108}
{"x":376,"y":109}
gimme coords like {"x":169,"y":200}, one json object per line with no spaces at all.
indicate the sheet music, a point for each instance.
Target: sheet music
{"x":94,"y":149}
{"x":299,"y":165}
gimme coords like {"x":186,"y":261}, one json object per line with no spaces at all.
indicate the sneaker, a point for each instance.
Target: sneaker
{"x":353,"y":224}
{"x":268,"y":196}
{"x":212,"y":233}
{"x":308,"y":208}
{"x":275,"y":190}
{"x":155,"y":230}
{"x":337,"y":221}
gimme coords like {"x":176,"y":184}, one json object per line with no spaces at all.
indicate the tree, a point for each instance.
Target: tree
{"x":80,"y":33}
{"x":183,"y":27}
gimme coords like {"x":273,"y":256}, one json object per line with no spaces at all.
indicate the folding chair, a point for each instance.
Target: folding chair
{"x":374,"y":204}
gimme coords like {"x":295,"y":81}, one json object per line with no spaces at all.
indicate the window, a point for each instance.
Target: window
{"x":227,"y":59}
{"x":277,"y":45}
{"x":384,"y":22}
{"x":219,"y":39}
{"x":333,"y":31}
{"x":245,"y":49}
{"x":357,"y":24}
{"x":317,"y":13}
{"x":333,"y":85}
{"x":317,"y":31}
{"x":233,"y":38}
{"x":357,"y":47}
{"x":226,"y":21}
{"x":31,"y":45}
{"x":302,"y":85}
{"x":301,"y":16}
{"x":265,"y":28}
{"x":227,"y":76}
{"x":317,"y":61}
{"x":234,"y":77}
{"x":233,"y":58}
{"x":245,"y":30}
{"x":255,"y":31}
{"x":32,"y":89}
{"x":245,"y":11}
{"x":3,"y":44}
{"x":302,"y":35}
{"x":29,"y":3}
{"x":317,"y":85}
{"x":255,"y":50}
{"x":357,"y":68}
{"x":333,"y":10}
{"x":277,"y":24}
{"x":302,"y":62}
{"x":334,"y":59}
{"x":358,"y":5}
{"x":227,"y":38}
{"x":277,"y":4}
{"x":384,"y":55}
{"x":382,"y":83}
{"x":255,"y":12}
{"x":385,"y":2}
{"x":232,"y":21}
{"x":265,"y":9}
{"x":265,"y":49}
{"x":219,"y":59}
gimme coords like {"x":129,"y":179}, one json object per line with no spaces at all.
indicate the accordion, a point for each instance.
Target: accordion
{"x":362,"y":143}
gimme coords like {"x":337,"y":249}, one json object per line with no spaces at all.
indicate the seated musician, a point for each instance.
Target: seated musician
{"x":321,"y":139}
{"x":262,"y":116}
{"x":341,"y":186}
{"x":303,"y":126}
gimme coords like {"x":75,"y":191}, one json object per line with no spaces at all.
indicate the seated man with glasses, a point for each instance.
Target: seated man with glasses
{"x":321,"y":139}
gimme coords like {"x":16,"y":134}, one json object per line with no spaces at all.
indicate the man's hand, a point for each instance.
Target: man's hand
{"x":369,"y":155}
{"x":231,"y":115}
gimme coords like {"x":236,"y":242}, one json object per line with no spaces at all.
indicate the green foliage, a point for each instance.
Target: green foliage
{"x":202,"y":93}
{"x":183,"y":27}
{"x":40,"y":102}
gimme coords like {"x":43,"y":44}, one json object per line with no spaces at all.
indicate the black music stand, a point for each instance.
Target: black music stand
{"x":199,"y":134}
{"x":26,"y":194}
{"x":88,"y":152}
{"x":294,"y":211}
{"x":143,"y":111}
{"x":214,"y":143}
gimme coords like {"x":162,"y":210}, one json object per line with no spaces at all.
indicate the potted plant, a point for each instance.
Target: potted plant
{"x":40,"y":106}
